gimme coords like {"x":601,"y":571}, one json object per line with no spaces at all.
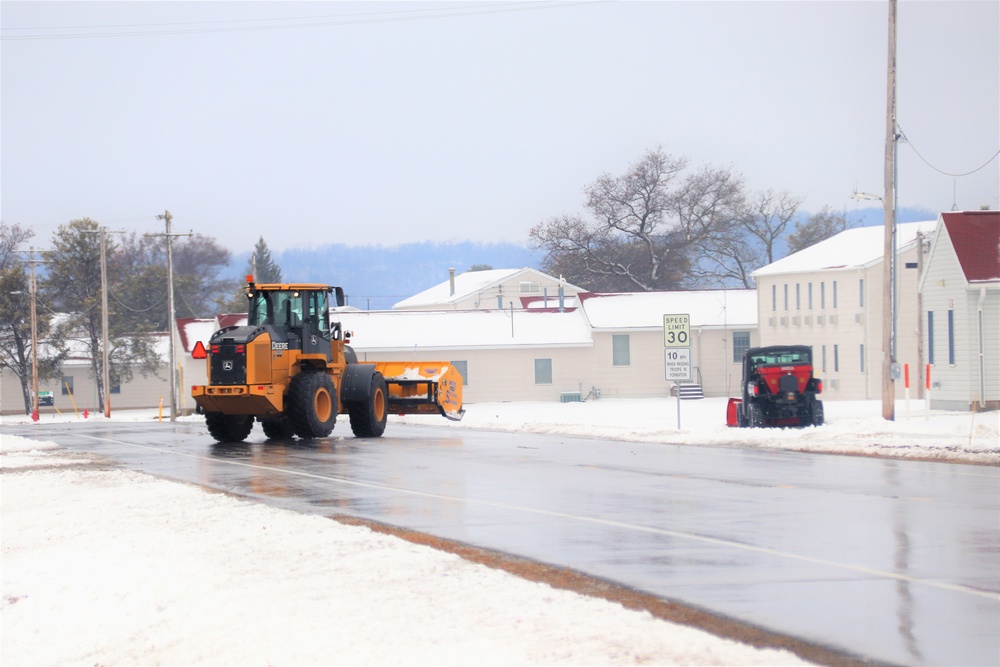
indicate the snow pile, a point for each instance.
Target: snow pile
{"x":105,"y":566}
{"x":852,"y":427}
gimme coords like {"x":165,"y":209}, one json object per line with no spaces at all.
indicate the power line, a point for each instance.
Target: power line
{"x":906,"y":140}
{"x":287,"y":22}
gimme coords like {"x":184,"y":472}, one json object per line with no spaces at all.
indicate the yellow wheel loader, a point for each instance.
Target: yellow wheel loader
{"x":293,"y":371}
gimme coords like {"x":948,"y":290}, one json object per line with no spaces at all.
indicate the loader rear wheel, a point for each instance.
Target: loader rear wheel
{"x":312,"y":404}
{"x":368,"y":417}
{"x":278,"y":429}
{"x":755,"y":416}
{"x":229,"y":428}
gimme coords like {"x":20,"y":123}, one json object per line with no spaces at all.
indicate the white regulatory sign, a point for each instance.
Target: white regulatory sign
{"x":677,"y":361}
{"x":676,"y":331}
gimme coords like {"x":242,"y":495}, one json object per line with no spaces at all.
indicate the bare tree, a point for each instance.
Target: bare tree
{"x":819,"y":227}
{"x":643,"y":226}
{"x":730,"y":252}
{"x":15,"y":320}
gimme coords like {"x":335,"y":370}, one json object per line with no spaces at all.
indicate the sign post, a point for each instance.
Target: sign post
{"x":677,"y":353}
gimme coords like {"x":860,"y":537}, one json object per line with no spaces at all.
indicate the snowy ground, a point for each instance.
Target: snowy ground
{"x":105,"y":566}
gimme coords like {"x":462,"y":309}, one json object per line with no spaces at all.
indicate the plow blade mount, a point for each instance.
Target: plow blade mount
{"x":423,"y":387}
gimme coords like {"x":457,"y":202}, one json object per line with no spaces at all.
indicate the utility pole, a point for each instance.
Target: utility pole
{"x":166,"y":217}
{"x":34,"y":340}
{"x":34,"y":328}
{"x":888,"y":261}
{"x":105,"y":338}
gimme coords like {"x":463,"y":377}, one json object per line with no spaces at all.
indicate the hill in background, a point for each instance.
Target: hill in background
{"x":376,"y":277}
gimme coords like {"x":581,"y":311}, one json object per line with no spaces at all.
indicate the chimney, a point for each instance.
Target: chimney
{"x":451,"y":281}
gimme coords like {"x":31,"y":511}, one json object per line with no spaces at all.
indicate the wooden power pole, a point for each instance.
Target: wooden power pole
{"x":889,"y":258}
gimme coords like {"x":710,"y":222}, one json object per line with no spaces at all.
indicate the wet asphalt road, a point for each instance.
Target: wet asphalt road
{"x":893,"y":561}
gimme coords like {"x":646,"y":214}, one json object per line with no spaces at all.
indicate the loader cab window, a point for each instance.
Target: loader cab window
{"x":318,"y":313}
{"x":283,"y":309}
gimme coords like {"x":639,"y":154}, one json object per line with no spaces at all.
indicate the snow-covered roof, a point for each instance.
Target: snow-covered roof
{"x":850,"y":249}
{"x":642,"y":310}
{"x":470,"y":329}
{"x":468,"y":284}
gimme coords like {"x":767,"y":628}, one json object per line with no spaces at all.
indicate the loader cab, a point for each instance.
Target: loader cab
{"x":300,"y":316}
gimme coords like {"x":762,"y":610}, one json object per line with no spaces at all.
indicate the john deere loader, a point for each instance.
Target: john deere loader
{"x":292,"y":370}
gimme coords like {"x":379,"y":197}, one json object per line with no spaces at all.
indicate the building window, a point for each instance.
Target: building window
{"x":774,"y":297}
{"x":798,"y":296}
{"x":862,"y":357}
{"x":810,"y":296}
{"x":951,"y":337}
{"x":836,"y":358}
{"x":741,"y":343}
{"x":834,"y":293}
{"x":822,"y":296}
{"x":823,"y":367}
{"x":67,"y":385}
{"x":620,"y":350}
{"x":930,"y":337}
{"x":543,"y":371}
{"x":463,"y":369}
{"x":861,"y":292}
{"x":116,"y":388}
{"x":786,"y":296}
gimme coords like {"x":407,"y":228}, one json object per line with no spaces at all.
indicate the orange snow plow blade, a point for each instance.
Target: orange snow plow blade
{"x":731,"y":418}
{"x":423,"y":387}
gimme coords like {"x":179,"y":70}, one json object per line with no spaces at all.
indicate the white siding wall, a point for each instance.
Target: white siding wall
{"x":956,"y":386}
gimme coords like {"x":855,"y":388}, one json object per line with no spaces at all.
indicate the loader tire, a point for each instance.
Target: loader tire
{"x":278,"y":429}
{"x":229,"y":428}
{"x":312,"y":404}
{"x":368,"y":417}
{"x":755,"y":416}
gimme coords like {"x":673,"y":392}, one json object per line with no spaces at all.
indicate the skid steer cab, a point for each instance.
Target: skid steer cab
{"x":778,"y":389}
{"x":291,"y":369}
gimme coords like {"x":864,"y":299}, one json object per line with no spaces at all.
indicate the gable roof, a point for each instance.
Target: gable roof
{"x":850,"y":249}
{"x":645,"y":310}
{"x":975,"y":235}
{"x":194,"y":329}
{"x":469,"y":284}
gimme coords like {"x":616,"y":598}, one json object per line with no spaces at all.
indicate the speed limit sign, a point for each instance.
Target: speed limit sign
{"x":676,"y":331}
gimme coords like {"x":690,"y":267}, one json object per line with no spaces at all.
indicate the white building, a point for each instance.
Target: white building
{"x":829,"y":296}
{"x":960,"y":290}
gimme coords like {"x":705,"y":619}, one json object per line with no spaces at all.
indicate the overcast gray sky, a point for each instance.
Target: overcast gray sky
{"x":386,"y":123}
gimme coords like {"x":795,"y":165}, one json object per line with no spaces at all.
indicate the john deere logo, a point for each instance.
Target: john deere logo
{"x":227,"y":365}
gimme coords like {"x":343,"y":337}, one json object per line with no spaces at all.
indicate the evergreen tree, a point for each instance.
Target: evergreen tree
{"x":73,"y":286}
{"x":262,"y":266}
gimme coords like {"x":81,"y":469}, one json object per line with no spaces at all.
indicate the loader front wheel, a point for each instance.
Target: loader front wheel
{"x":368,"y":417}
{"x":312,"y":409}
{"x":229,"y":428}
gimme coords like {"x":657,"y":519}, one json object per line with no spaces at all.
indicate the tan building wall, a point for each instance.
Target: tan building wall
{"x":82,"y":393}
